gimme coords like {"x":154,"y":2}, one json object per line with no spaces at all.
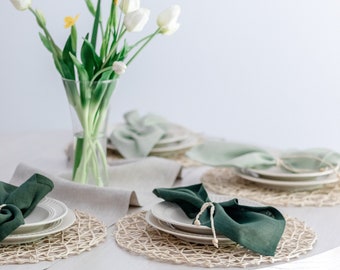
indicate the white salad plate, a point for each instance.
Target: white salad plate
{"x":177,"y":146}
{"x":47,"y":211}
{"x":278,"y":173}
{"x":55,"y":227}
{"x":174,"y":133}
{"x":171,"y":213}
{"x":295,"y":185}
{"x":186,"y":236}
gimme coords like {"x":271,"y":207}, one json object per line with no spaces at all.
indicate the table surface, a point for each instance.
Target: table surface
{"x":46,"y":150}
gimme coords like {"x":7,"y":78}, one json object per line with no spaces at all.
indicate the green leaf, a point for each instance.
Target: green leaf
{"x":89,"y":57}
{"x":123,"y":52}
{"x":46,"y":42}
{"x":68,"y":50}
{"x":99,"y":91}
{"x":90,"y":7}
{"x":95,"y":25}
{"x":106,"y":95}
{"x":85,"y":90}
{"x":78,"y":153}
{"x":68,"y":73}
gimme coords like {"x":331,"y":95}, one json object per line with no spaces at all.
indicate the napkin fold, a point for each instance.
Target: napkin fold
{"x":131,"y":183}
{"x":221,"y":153}
{"x":256,"y":228}
{"x":16,"y":203}
{"x":138,"y":135}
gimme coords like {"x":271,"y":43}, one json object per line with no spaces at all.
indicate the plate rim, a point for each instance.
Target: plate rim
{"x":44,"y":204}
{"x":292,"y":184}
{"x":288,"y":175}
{"x":56,"y":227}
{"x":181,"y":234}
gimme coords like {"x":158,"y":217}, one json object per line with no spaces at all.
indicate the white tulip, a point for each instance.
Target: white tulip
{"x":129,"y":5}
{"x":21,"y":4}
{"x":135,"y":21}
{"x":167,"y":20}
{"x":119,"y":67}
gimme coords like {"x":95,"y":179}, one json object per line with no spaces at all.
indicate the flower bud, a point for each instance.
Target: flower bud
{"x":119,"y":67}
{"x":40,"y":18}
{"x":167,"y":20}
{"x":21,"y":4}
{"x":135,"y":21}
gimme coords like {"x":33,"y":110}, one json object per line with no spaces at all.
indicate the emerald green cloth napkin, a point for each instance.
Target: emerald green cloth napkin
{"x":256,"y":228}
{"x":16,"y":203}
{"x":138,"y":135}
{"x":221,"y":153}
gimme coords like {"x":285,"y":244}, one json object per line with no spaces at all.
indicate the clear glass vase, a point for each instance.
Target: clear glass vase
{"x":89,"y":104}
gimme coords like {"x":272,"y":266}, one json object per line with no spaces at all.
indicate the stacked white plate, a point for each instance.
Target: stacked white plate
{"x":276,"y":177}
{"x":177,"y":139}
{"x":49,"y":216}
{"x":170,"y":218}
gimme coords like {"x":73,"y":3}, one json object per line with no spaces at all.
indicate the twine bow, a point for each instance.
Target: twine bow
{"x":212,"y":211}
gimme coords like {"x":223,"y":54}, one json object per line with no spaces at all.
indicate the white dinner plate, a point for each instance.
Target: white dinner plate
{"x":186,"y":236}
{"x":55,"y":227}
{"x":277,"y":173}
{"x":47,"y":211}
{"x":291,"y":185}
{"x":171,"y":213}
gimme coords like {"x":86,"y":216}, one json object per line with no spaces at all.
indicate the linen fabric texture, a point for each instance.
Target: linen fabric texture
{"x":224,"y":154}
{"x":138,"y":135}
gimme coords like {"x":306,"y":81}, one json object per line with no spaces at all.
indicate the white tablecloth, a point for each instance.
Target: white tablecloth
{"x":45,"y":150}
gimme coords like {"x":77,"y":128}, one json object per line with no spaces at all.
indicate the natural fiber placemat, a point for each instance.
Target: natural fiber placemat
{"x":135,"y":235}
{"x":224,"y":181}
{"x":86,"y":233}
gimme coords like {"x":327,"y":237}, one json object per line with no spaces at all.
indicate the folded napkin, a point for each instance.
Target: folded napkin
{"x":221,"y":153}
{"x":131,"y":183}
{"x":138,"y":135}
{"x":16,"y":203}
{"x":256,"y":228}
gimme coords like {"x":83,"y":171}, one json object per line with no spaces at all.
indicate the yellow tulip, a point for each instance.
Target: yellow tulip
{"x":70,"y":21}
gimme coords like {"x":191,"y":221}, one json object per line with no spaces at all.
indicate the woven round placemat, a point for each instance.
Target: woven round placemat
{"x":86,"y":233}
{"x":224,"y":181}
{"x":134,"y":234}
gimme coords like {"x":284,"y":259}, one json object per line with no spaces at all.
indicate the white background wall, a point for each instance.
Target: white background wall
{"x":256,"y":71}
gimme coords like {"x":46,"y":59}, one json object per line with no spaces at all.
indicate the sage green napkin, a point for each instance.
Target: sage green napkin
{"x":221,"y":153}
{"x":16,"y":203}
{"x":138,"y":135}
{"x":256,"y":228}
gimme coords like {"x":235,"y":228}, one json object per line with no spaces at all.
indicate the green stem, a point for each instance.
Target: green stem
{"x":113,"y":49}
{"x":98,"y":73}
{"x":55,"y":49}
{"x":143,"y":46}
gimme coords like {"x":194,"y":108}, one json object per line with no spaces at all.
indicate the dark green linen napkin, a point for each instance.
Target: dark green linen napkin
{"x":256,"y":228}
{"x":16,"y":203}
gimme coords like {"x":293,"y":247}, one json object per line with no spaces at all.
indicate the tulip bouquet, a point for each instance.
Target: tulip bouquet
{"x":90,"y":72}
